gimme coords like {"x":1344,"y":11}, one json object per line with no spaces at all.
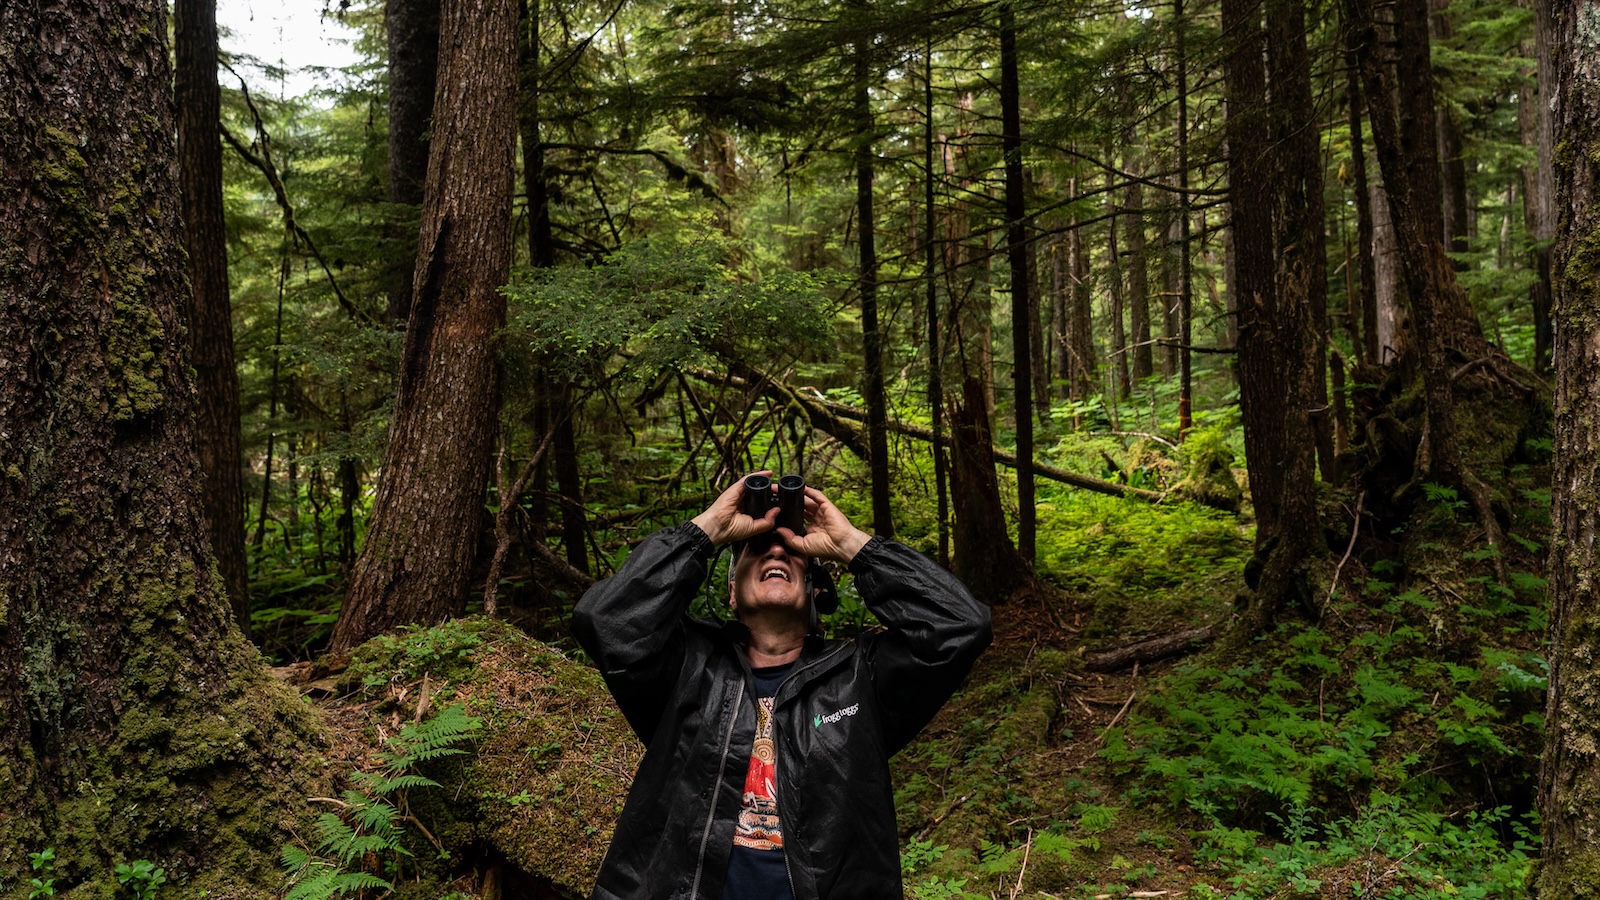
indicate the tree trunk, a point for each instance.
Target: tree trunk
{"x":1119,"y":331}
{"x":210,"y":316}
{"x":1185,"y":298}
{"x":984,"y":558}
{"x":1171,"y":291}
{"x":412,"y":30}
{"x":1539,"y":187}
{"x":135,"y":720}
{"x":1300,"y":237}
{"x":1441,"y":320}
{"x":1392,"y":327}
{"x":1276,"y":271}
{"x":1367,"y":350}
{"x":1080,"y":318}
{"x":872,"y":390}
{"x":429,"y":510}
{"x":1569,"y":782}
{"x":574,"y":523}
{"x":1138,"y":281}
{"x":1017,"y":253}
{"x":935,"y":348}
{"x":1452,"y":166}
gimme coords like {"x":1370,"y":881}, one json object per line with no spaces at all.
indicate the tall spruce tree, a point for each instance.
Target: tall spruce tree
{"x":135,"y":719}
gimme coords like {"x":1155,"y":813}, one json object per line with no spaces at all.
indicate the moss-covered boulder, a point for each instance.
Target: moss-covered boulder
{"x":536,"y":794}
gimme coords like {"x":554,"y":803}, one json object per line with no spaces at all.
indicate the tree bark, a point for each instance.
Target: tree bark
{"x":411,"y":28}
{"x":425,"y":522}
{"x":1119,"y":330}
{"x":871,"y":339}
{"x":1442,"y":322}
{"x":1539,"y":186}
{"x":935,"y":347}
{"x":135,"y":719}
{"x":984,"y":557}
{"x":1367,"y":349}
{"x":1138,"y":280}
{"x":1452,"y":165}
{"x":1300,"y":238}
{"x":1277,"y":230}
{"x":1017,"y":253}
{"x":210,"y":314}
{"x":1185,"y":298}
{"x":1082,"y":378}
{"x":1569,"y":782}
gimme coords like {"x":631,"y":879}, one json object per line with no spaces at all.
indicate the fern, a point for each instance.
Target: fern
{"x":369,"y":826}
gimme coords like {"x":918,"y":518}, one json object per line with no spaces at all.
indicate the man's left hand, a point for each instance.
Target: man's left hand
{"x":829,"y":534}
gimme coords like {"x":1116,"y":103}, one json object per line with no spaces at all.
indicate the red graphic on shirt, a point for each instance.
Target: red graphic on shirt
{"x":759,"y":828}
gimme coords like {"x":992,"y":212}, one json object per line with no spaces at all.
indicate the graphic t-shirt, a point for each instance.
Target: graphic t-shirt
{"x":756,"y":870}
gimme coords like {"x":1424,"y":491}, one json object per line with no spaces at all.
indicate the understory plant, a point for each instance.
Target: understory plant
{"x":366,"y":835}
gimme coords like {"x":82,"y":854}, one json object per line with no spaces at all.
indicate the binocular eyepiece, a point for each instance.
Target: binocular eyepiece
{"x":790,"y":500}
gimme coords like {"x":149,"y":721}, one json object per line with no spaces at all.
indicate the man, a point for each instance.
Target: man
{"x":766,"y":766}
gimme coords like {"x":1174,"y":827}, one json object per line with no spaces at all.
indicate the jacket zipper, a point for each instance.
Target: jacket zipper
{"x":810,"y":665}
{"x":777,"y":796}
{"x":711,"y":814}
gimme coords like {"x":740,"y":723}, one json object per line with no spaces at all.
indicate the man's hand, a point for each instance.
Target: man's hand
{"x":829,"y":535}
{"x":724,"y":521}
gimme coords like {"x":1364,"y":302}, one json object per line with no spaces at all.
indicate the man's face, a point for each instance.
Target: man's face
{"x":769,"y":578}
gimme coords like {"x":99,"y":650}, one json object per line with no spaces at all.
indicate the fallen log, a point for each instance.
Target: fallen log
{"x":1155,"y":648}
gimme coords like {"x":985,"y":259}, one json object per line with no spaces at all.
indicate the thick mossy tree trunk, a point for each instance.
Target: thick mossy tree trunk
{"x":135,"y":720}
{"x":425,"y":522}
{"x":1569,"y":784}
{"x":210,"y":314}
{"x":411,"y":28}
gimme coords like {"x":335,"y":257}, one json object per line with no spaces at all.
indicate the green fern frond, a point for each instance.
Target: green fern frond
{"x":385,"y":786}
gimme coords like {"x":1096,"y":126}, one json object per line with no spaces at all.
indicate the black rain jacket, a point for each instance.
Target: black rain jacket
{"x":684,"y":686}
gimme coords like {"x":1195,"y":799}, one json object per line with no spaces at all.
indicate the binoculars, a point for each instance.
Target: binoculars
{"x":790,"y":500}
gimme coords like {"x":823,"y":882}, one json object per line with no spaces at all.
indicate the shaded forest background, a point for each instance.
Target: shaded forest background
{"x":1215,"y":345}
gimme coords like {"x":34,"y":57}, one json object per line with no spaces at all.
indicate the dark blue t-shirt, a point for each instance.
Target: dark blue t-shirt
{"x":756,"y":869}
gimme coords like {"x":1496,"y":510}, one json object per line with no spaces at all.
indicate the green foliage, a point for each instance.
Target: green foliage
{"x":43,"y":882}
{"x":368,"y":828}
{"x":1387,"y":850}
{"x":141,"y":878}
{"x":446,"y":652}
{"x":669,"y":300}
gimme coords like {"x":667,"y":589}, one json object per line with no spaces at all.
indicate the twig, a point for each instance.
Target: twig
{"x":502,"y":518}
{"x":1354,"y":530}
{"x":934,"y":822}
{"x":1017,"y":888}
{"x":270,"y":170}
{"x":1118,"y":717}
{"x":422,"y":702}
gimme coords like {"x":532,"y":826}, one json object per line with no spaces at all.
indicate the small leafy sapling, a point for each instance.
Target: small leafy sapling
{"x":43,"y":882}
{"x":141,"y":877}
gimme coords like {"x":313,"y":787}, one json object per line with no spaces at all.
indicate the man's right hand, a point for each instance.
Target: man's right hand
{"x":724,"y":521}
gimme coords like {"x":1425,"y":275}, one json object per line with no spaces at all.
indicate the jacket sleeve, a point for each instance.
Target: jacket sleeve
{"x":936,"y":630}
{"x":632,"y":624}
